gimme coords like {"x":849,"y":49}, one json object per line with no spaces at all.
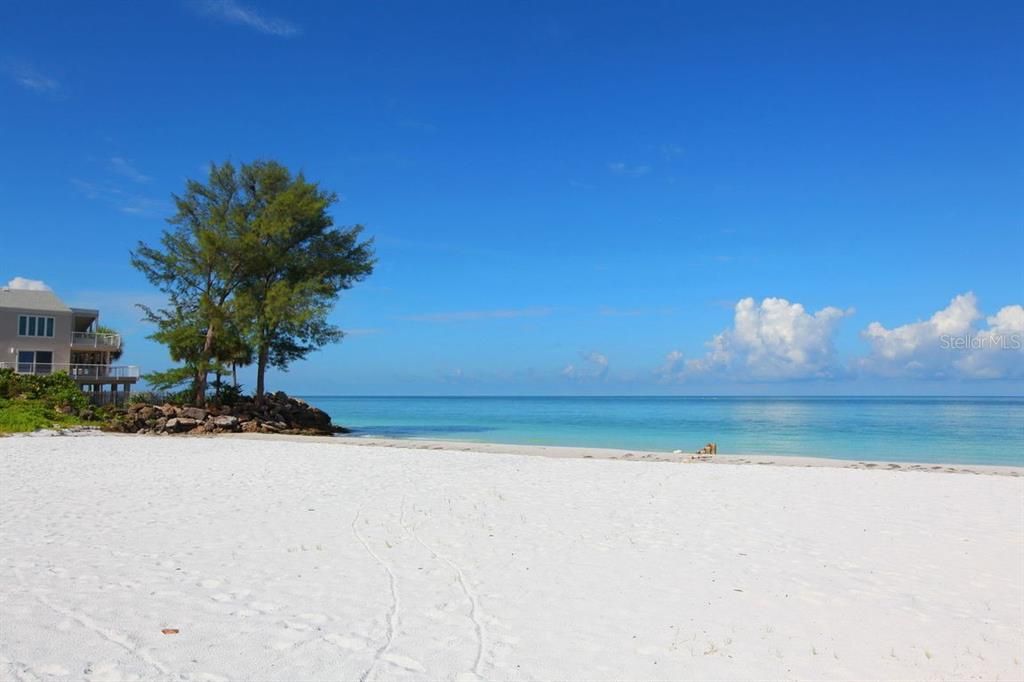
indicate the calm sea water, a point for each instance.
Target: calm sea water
{"x":940,"y":430}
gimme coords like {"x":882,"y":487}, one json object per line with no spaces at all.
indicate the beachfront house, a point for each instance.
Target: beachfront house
{"x":39,"y":334}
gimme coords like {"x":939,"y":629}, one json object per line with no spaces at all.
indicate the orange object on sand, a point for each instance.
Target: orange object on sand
{"x":170,"y":631}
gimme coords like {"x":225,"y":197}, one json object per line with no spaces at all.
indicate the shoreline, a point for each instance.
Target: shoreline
{"x":574,"y":452}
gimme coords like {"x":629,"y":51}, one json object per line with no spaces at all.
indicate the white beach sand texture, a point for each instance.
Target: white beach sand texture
{"x":280,"y":560}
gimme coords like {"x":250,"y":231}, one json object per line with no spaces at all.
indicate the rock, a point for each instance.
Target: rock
{"x":277,"y":414}
{"x":180,"y":424}
{"x":197,"y":413}
{"x":226,"y":421}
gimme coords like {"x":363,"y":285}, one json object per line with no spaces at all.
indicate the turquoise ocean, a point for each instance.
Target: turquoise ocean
{"x":932,"y":430}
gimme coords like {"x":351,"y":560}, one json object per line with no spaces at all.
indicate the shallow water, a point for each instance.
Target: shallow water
{"x":957,"y":430}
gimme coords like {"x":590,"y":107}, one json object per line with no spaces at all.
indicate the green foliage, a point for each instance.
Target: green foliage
{"x":25,"y":415}
{"x":198,"y":267}
{"x":32,"y":401}
{"x":115,"y":354}
{"x":168,"y":380}
{"x":183,"y":397}
{"x":297,"y":265}
{"x":57,"y":390}
{"x":251,"y":270}
{"x":230,"y":394}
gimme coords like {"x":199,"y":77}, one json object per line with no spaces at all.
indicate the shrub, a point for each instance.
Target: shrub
{"x":35,"y":401}
{"x":29,"y":415}
{"x":57,"y":390}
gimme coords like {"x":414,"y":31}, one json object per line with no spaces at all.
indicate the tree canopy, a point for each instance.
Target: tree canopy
{"x":251,"y":267}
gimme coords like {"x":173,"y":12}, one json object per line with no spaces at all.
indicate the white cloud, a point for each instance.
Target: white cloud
{"x":236,"y":13}
{"x":28,"y":284}
{"x":31,"y":79}
{"x":467,"y":315}
{"x":774,"y":340}
{"x":594,"y":367}
{"x":670,"y":151}
{"x":126,"y":202}
{"x":674,"y":367}
{"x":949,"y":344}
{"x":122,"y":166}
{"x":620,"y":168}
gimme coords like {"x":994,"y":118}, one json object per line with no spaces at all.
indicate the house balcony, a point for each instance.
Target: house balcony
{"x":83,"y":374}
{"x":92,"y":340}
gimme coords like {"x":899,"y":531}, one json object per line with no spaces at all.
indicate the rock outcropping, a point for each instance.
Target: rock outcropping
{"x":278,"y":414}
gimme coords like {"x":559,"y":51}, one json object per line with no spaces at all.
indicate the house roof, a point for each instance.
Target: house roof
{"x":31,"y":299}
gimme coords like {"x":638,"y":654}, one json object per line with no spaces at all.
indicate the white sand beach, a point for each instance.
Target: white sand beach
{"x":277,"y":559}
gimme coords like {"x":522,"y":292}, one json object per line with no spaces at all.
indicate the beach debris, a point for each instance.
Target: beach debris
{"x":706,"y":452}
{"x":170,"y":631}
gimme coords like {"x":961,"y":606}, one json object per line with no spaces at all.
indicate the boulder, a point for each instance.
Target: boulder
{"x":278,"y":414}
{"x":180,"y":424}
{"x":197,"y":413}
{"x":225,"y":421}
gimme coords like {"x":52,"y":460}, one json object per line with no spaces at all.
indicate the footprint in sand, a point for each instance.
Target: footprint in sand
{"x":294,"y":625}
{"x":53,"y":669}
{"x":404,"y":663}
{"x":350,"y":643}
{"x":103,"y":671}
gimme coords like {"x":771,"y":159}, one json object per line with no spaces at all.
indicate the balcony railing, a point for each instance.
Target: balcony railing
{"x":80,"y":372}
{"x":95,"y":340}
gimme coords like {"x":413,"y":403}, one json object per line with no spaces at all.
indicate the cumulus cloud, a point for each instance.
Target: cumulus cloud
{"x":236,"y":13}
{"x":594,"y":367}
{"x":950,"y":344}
{"x":674,"y":367}
{"x":29,"y":284}
{"x":775,"y":339}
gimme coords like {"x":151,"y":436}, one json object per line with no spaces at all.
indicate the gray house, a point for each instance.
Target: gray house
{"x":39,"y":334}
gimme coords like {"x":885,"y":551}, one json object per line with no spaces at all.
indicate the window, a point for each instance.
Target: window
{"x":32,"y":325}
{"x":35,"y":362}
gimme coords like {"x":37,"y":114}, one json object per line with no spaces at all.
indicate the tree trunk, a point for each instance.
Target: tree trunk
{"x":203,"y":368}
{"x":234,"y":374}
{"x":261,"y":371}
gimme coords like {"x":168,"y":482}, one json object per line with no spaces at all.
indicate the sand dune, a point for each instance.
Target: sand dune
{"x":279,"y":560}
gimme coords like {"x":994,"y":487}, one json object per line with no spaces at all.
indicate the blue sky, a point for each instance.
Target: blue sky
{"x":567,"y":198}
